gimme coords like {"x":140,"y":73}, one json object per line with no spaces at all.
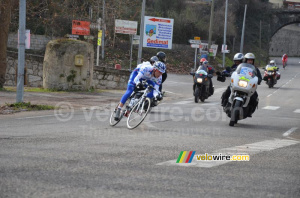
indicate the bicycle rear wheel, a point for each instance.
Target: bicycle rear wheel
{"x":138,"y":113}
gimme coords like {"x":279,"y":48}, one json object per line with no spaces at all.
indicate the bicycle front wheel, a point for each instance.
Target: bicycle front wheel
{"x":138,"y":113}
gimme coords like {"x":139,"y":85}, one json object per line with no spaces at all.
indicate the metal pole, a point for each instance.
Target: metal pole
{"x":243,"y":31}
{"x":98,"y":46}
{"x":225,"y":30}
{"x":131,"y":36}
{"x":211,"y":24}
{"x":139,"y":60}
{"x":195,"y":59}
{"x":103,"y":29}
{"x":21,"y":51}
{"x":259,"y":42}
{"x":233,"y":45}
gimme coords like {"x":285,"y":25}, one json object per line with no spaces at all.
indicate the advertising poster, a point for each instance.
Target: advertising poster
{"x":158,"y":32}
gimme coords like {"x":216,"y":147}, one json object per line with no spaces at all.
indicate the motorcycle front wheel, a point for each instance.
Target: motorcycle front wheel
{"x":138,"y":113}
{"x":235,"y":113}
{"x":197,"y":92}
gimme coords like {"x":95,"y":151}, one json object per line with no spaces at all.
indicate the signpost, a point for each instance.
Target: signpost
{"x":158,"y":32}
{"x":196,"y":43}
{"x":127,"y":27}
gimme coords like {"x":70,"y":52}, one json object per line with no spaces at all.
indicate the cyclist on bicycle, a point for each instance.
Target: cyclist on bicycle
{"x":153,"y":76}
{"x":284,"y":59}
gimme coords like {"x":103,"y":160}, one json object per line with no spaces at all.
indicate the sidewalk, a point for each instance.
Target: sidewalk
{"x":78,"y":100}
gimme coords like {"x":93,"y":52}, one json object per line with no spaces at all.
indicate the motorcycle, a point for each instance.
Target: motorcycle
{"x":137,"y":108}
{"x":243,"y":85}
{"x":201,"y":85}
{"x":271,"y":76}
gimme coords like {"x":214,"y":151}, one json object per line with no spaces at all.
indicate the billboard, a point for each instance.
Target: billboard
{"x":158,"y":32}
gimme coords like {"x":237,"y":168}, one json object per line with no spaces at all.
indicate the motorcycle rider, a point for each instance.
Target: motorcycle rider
{"x":153,"y":75}
{"x":272,"y":66}
{"x":250,"y":58}
{"x":152,"y":60}
{"x":237,"y":59}
{"x":210,"y":70}
{"x":162,"y":58}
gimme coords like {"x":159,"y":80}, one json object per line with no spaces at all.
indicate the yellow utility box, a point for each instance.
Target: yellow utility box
{"x":79,"y":60}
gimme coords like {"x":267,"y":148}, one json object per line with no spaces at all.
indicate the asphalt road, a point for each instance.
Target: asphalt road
{"x":77,"y":154}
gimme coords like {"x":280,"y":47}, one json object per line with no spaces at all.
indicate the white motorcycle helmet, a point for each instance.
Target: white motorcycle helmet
{"x":272,"y":63}
{"x":238,"y":57}
{"x":249,"y":56}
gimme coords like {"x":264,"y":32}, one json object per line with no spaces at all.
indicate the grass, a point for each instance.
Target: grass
{"x":29,"y":107}
{"x":31,"y":89}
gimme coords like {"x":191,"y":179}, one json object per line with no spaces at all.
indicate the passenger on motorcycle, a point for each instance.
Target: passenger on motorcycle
{"x":162,"y":58}
{"x":153,"y":76}
{"x":210,"y":70}
{"x":152,"y":60}
{"x":250,"y":58}
{"x":237,"y":59}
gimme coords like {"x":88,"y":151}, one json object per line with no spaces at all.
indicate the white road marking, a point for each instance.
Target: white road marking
{"x":271,"y":107}
{"x":247,"y":149}
{"x":182,"y":102}
{"x":287,"y":133}
{"x":218,"y":90}
{"x":297,"y":111}
{"x":282,"y":85}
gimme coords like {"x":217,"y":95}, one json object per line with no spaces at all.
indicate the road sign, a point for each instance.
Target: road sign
{"x":196,"y":46}
{"x":158,"y":32}
{"x":125,"y":27}
{"x":81,"y":27}
{"x":195,"y":41}
{"x":99,"y":38}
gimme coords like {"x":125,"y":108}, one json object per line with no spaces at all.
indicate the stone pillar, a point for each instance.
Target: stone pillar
{"x":60,"y":70}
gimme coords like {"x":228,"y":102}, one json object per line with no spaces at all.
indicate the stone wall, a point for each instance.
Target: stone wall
{"x":103,"y":78}
{"x":34,"y":70}
{"x":286,"y":41}
{"x":107,"y":78}
{"x":37,"y":42}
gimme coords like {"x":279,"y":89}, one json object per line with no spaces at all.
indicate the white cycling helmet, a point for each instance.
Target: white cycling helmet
{"x":238,"y":57}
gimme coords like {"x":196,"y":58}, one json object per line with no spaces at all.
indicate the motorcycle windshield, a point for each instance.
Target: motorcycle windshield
{"x":246,"y":70}
{"x":201,"y":73}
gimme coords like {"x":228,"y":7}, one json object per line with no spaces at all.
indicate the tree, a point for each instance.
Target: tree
{"x":5,"y":14}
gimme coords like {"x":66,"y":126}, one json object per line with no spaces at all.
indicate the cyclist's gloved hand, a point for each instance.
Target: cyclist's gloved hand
{"x":159,"y":97}
{"x":140,"y":85}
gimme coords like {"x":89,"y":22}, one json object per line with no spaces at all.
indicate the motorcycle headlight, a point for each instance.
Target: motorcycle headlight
{"x":199,"y":80}
{"x":243,"y":83}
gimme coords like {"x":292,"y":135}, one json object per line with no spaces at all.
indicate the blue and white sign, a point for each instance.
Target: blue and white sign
{"x":158,"y":32}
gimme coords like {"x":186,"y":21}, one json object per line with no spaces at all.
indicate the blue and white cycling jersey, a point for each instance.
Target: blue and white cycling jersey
{"x":145,"y":72}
